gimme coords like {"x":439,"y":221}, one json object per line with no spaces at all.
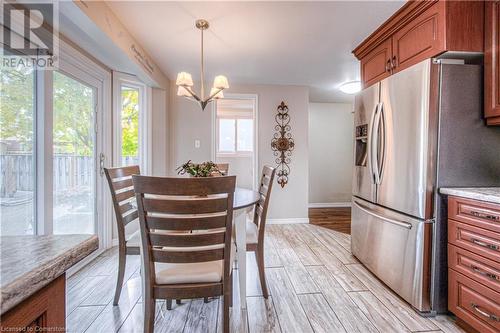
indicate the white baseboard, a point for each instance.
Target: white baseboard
{"x":329,"y":204}
{"x":288,"y":221}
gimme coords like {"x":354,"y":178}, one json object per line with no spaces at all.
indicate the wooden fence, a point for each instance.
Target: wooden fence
{"x":69,"y":171}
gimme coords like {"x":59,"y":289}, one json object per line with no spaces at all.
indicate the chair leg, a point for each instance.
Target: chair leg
{"x":149,"y":315}
{"x":231,"y":290}
{"x":169,"y":304}
{"x":178,"y":301}
{"x":259,"y":255}
{"x":122,"y":257}
{"x":225,"y":314}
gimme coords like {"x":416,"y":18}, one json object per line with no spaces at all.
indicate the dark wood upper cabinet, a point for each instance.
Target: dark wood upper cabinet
{"x":419,"y":39}
{"x":420,"y":30}
{"x":492,"y":63}
{"x":376,"y":66}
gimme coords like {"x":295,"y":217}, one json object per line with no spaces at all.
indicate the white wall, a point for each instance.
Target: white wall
{"x":159,"y":124}
{"x":330,"y":152}
{"x":188,"y":122}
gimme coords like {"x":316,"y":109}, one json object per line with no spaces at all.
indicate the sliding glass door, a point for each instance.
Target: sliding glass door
{"x":74,"y":158}
{"x":55,"y":130}
{"x":17,"y":154}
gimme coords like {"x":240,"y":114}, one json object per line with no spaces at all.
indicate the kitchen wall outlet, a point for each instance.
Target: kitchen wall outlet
{"x":197,"y":143}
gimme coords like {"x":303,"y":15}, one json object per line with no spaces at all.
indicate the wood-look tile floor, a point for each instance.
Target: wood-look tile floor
{"x":316,"y":285}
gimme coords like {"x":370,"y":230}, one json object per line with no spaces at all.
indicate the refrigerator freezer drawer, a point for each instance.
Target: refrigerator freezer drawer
{"x":396,"y":248}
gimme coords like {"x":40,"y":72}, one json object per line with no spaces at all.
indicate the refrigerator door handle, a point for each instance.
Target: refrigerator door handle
{"x":372,"y":212}
{"x":372,"y":151}
{"x":374,"y":144}
{"x":381,"y":135}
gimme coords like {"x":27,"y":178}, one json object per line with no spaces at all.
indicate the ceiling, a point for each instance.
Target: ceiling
{"x":289,"y":43}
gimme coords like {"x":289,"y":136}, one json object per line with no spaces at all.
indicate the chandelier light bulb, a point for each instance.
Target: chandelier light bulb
{"x":184,"y":79}
{"x":220,"y":82}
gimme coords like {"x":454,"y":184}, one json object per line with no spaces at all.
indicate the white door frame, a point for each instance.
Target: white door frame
{"x":102,"y":78}
{"x":213,"y":150}
{"x":145,"y":123}
{"x":84,"y":69}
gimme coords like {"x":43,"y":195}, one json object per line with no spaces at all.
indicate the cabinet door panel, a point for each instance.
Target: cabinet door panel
{"x":492,"y":62}
{"x":421,"y":38}
{"x":374,"y":66}
{"x":474,"y":303}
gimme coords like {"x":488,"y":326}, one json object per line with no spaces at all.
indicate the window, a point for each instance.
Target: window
{"x":130,"y":125}
{"x":74,"y":156}
{"x":235,"y":135}
{"x":244,"y":130}
{"x":234,"y":139}
{"x":132,"y":113}
{"x":17,"y":159}
{"x":227,"y":135}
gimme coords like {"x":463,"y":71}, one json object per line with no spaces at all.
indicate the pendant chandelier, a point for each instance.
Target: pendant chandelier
{"x":185,"y":81}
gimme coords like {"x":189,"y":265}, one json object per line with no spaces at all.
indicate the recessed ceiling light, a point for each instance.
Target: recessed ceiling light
{"x":350,"y":87}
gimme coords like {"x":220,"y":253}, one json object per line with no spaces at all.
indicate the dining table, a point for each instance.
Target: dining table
{"x":244,"y":201}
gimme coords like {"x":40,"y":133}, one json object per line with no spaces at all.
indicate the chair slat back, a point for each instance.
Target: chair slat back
{"x":122,"y":193}
{"x":202,"y":205}
{"x":260,"y":212}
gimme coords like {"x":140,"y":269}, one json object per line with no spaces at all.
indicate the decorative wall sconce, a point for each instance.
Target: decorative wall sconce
{"x":282,"y":144}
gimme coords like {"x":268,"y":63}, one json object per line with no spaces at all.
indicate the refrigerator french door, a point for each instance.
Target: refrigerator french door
{"x":406,"y":133}
{"x":366,"y":108}
{"x":392,"y":203}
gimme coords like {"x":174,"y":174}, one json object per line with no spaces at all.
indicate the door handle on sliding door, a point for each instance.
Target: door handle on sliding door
{"x":373,"y":213}
{"x":102,"y":157}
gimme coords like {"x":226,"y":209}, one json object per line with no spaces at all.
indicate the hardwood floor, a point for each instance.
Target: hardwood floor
{"x":337,"y":218}
{"x":315,"y":284}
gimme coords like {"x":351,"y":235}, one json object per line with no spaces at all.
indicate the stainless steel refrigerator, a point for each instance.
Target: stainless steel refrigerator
{"x":417,"y":131}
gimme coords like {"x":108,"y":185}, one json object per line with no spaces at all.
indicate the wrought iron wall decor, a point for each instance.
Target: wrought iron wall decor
{"x":282,"y":144}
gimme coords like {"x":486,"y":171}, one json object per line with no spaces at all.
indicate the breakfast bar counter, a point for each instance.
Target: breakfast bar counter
{"x":32,"y":275}
{"x":488,"y":194}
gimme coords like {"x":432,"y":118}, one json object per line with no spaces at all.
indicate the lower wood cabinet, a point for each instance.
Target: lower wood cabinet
{"x":44,"y":311}
{"x":475,"y":304}
{"x":492,"y":63}
{"x":474,"y":263}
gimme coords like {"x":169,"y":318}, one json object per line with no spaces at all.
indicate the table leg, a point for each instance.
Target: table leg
{"x":241,"y":246}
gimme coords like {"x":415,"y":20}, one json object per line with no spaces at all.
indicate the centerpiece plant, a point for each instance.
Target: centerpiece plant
{"x":205,"y":169}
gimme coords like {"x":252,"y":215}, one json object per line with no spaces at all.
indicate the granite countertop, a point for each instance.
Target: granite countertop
{"x":488,"y":194}
{"x":29,"y":263}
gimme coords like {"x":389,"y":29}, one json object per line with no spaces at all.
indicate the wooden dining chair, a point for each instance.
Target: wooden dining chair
{"x":122,"y":193}
{"x":223,"y":168}
{"x":255,"y":227}
{"x":193,"y":264}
